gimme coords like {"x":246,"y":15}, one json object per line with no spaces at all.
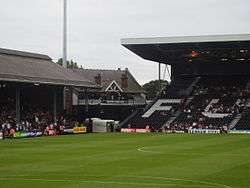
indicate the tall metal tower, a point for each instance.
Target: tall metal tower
{"x":64,"y":46}
{"x":65,"y":33}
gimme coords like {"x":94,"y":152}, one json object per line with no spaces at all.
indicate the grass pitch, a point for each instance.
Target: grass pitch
{"x":126,"y":160}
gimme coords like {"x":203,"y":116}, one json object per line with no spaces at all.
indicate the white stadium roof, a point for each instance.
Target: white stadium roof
{"x":187,"y":39}
{"x":172,"y":50}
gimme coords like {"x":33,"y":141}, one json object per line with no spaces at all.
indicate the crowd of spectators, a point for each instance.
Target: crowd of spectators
{"x":7,"y":115}
{"x":185,"y":127}
{"x":33,"y":119}
{"x":230,"y":98}
{"x":218,"y":108}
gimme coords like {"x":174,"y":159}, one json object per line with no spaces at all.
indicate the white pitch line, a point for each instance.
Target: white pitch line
{"x":145,"y":150}
{"x":205,"y":184}
{"x":186,"y":180}
{"x":101,"y":182}
{"x":142,"y":149}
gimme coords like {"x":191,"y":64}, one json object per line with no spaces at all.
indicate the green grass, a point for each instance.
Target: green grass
{"x":126,"y":160}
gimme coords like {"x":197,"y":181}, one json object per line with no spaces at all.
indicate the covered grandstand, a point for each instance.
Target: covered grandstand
{"x":210,"y":82}
{"x":32,"y":89}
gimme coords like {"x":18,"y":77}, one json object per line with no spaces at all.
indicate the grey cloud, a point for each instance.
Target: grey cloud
{"x":96,"y":26}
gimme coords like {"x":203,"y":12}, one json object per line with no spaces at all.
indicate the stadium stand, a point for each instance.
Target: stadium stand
{"x":31,"y":92}
{"x":165,"y":106}
{"x":217,"y":96}
{"x":244,"y":122}
{"x":209,"y":74}
{"x":214,"y":102}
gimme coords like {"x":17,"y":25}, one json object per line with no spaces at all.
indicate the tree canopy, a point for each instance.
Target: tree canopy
{"x":70,"y":64}
{"x":153,"y":87}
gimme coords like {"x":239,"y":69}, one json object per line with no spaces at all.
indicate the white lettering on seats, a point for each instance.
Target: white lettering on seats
{"x":157,"y":106}
{"x":213,"y":101}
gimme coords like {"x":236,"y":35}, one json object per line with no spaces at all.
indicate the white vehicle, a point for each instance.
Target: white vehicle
{"x":102,"y":126}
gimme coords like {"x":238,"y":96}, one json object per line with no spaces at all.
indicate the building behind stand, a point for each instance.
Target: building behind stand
{"x":119,"y":94}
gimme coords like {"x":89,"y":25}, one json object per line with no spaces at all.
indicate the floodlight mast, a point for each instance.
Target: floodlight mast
{"x":65,"y":33}
{"x":64,"y":46}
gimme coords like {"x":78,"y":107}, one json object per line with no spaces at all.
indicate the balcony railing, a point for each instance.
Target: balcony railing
{"x":111,"y":102}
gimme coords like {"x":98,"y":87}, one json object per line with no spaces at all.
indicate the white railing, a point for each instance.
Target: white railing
{"x":111,"y":102}
{"x":90,"y":101}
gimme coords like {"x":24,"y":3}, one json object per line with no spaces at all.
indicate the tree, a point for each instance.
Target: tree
{"x":152,"y":88}
{"x":70,"y":64}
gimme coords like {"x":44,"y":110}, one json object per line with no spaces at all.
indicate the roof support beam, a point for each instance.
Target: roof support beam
{"x":159,"y":74}
{"x":86,"y":103}
{"x":55,"y":105}
{"x":18,"y":115}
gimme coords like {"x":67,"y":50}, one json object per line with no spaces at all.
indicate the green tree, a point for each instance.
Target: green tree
{"x":70,"y":64}
{"x":153,"y":87}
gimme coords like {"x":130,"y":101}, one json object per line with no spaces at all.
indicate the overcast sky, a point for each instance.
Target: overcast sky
{"x":96,"y":27}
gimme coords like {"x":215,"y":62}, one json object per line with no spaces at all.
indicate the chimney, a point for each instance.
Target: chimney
{"x":124,"y":79}
{"x":98,"y":80}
